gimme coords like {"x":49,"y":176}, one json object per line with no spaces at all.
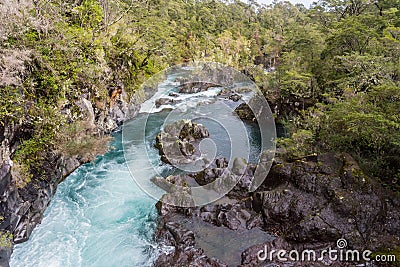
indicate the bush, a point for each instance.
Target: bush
{"x":6,"y":239}
{"x":300,"y":144}
{"x":21,"y":174}
{"x":77,"y":140}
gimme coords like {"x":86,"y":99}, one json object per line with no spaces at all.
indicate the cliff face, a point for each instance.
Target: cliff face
{"x":307,"y":204}
{"x":22,"y":208}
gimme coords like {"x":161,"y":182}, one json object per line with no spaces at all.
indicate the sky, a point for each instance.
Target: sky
{"x":306,"y":3}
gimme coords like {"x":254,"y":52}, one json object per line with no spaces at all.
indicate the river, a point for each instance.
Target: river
{"x":99,"y":216}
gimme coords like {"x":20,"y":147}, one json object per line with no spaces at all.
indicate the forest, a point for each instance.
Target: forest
{"x":331,"y":72}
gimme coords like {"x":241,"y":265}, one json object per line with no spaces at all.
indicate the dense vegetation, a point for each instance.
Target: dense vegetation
{"x":333,"y":69}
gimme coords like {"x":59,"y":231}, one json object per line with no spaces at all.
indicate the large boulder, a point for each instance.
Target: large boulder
{"x":178,"y":142}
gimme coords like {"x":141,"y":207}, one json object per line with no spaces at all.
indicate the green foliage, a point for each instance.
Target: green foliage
{"x":332,"y":70}
{"x":356,"y":125}
{"x":12,"y":106}
{"x":6,"y":239}
{"x":73,"y":141}
{"x":89,"y":14}
{"x":31,"y":152}
{"x":21,"y":173}
{"x":367,"y":125}
{"x":300,"y":144}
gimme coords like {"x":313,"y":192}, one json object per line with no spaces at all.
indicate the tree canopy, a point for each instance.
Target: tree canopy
{"x":332,"y":71}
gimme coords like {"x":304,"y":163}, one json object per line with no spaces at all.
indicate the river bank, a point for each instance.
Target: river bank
{"x":310,"y":204}
{"x":22,"y":208}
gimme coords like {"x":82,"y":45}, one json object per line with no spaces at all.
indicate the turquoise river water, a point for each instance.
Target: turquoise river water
{"x":99,"y":216}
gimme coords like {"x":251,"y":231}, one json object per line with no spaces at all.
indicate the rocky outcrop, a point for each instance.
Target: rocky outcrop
{"x":232,"y":218}
{"x":231,"y":94}
{"x":327,"y":199}
{"x":165,"y":101}
{"x":307,"y":204}
{"x":195,"y":87}
{"x":184,"y":252}
{"x":22,"y":208}
{"x":178,"y":142}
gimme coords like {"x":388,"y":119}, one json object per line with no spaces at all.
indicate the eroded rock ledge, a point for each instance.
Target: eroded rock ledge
{"x":306,"y":204}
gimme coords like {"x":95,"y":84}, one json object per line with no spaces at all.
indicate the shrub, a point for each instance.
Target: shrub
{"x":6,"y":239}
{"x":300,"y":144}
{"x":78,"y":140}
{"x":21,"y":174}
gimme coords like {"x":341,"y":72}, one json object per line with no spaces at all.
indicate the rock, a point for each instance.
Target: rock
{"x":235,"y":97}
{"x":323,"y":201}
{"x":245,"y":113}
{"x":250,"y":255}
{"x":171,"y":183}
{"x":68,"y":165}
{"x":221,"y":162}
{"x":310,"y":203}
{"x":176,"y":202}
{"x":181,"y":235}
{"x":239,"y":166}
{"x":5,"y":254}
{"x":235,"y":218}
{"x":230,"y":94}
{"x":173,"y":94}
{"x":208,"y":175}
{"x":225,"y":92}
{"x":193,"y":130}
{"x":118,"y":114}
{"x":244,"y":175}
{"x":184,"y":253}
{"x":178,"y":143}
{"x":195,"y":87}
{"x":5,"y":177}
{"x":87,"y":109}
{"x":165,"y":101}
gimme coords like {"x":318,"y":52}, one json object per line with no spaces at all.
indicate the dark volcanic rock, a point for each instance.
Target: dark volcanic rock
{"x":173,"y":94}
{"x":230,"y":94}
{"x":195,"y":87}
{"x":326,"y":200}
{"x":235,"y":97}
{"x":309,"y":203}
{"x":165,"y":101}
{"x":177,"y":143}
{"x":184,"y":252}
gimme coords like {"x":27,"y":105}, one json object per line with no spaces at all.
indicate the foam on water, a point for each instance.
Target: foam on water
{"x":190,"y":100}
{"x":98,"y":217}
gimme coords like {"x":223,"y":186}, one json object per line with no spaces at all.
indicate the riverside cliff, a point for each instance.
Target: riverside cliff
{"x":22,"y":207}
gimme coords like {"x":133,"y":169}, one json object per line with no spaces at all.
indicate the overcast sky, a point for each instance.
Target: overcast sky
{"x":306,"y":3}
